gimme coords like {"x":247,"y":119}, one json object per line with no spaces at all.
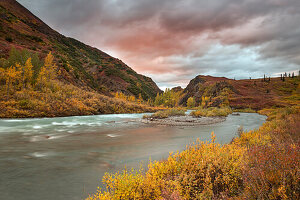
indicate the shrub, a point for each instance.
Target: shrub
{"x":190,"y":102}
{"x":245,"y":110}
{"x":212,"y":112}
{"x":260,"y":164}
{"x":8,"y":39}
{"x":166,"y":114}
{"x":44,"y":95}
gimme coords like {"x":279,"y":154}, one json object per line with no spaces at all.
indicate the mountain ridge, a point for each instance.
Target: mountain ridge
{"x":90,"y":67}
{"x":246,"y":93}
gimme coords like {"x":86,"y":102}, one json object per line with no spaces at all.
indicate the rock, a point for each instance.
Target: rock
{"x":184,"y":121}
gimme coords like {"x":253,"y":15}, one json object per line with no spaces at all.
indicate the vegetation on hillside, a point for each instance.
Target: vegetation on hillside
{"x":170,"y":98}
{"x":255,"y":94}
{"x":84,"y":66}
{"x":30,"y":87}
{"x":260,"y":164}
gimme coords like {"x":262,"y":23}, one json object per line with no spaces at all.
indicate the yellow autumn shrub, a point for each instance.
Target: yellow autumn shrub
{"x":260,"y":164}
{"x":211,"y":112}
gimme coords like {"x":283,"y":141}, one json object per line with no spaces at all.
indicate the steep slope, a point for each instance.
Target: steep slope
{"x":83,"y":66}
{"x":255,"y":93}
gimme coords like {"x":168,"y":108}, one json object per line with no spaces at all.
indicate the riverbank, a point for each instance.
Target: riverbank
{"x":186,"y":120}
{"x":77,"y":151}
{"x":259,"y":164}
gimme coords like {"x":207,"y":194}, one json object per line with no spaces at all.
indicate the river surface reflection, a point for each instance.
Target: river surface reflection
{"x":65,"y":158}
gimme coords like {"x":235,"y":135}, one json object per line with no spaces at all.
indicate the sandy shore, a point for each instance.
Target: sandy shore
{"x":184,"y":121}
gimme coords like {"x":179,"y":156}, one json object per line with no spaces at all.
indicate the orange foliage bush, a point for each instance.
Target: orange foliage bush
{"x":23,"y":95}
{"x":261,"y":164}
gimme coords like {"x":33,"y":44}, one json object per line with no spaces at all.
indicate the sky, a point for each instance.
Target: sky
{"x":172,"y":41}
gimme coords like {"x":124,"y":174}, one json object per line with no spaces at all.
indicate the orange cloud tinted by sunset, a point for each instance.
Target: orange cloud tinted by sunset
{"x":173,"y":41}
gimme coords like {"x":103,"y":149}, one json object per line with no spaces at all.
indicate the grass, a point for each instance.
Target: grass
{"x":166,"y":113}
{"x":45,"y":95}
{"x":212,"y":112}
{"x":245,"y":110}
{"x":260,"y":164}
{"x":68,"y":100}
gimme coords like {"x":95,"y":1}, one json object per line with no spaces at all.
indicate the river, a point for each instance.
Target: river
{"x":65,"y":158}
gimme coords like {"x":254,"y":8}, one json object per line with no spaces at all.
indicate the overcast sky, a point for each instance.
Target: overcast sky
{"x":172,"y":41}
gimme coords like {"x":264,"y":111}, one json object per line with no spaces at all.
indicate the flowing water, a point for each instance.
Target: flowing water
{"x":65,"y":158}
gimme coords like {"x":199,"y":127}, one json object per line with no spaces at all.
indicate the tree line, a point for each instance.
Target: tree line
{"x":24,"y":70}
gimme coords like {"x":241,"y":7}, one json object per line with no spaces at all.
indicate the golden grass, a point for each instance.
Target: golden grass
{"x":166,"y":113}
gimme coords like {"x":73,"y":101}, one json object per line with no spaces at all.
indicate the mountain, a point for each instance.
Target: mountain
{"x":254,"y":93}
{"x":84,"y":66}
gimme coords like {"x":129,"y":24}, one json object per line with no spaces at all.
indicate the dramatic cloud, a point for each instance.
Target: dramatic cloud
{"x":173,"y":41}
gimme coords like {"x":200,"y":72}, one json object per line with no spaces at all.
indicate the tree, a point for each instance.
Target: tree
{"x":36,"y":63}
{"x":117,"y":95}
{"x":50,"y":66}
{"x":190,"y":102}
{"x":131,"y":98}
{"x":11,"y":77}
{"x":205,"y":101}
{"x":150,"y":102}
{"x":167,"y":98}
{"x":47,"y":72}
{"x":158,"y":100}
{"x":17,"y":56}
{"x":2,"y":75}
{"x":140,"y":99}
{"x":26,"y":73}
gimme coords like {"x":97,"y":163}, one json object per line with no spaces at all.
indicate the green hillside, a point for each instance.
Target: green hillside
{"x":83,"y":66}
